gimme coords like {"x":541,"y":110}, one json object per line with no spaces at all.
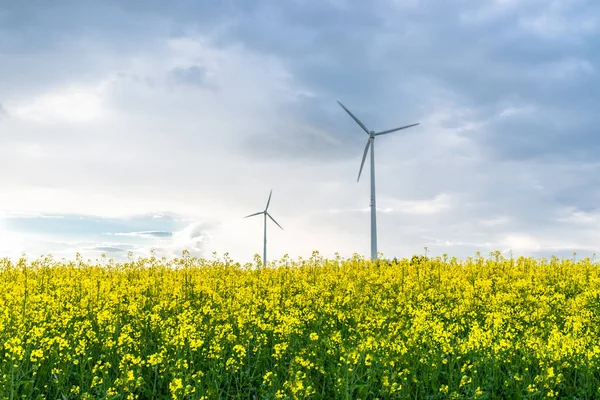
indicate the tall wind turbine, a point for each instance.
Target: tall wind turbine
{"x":371,"y":144}
{"x":266,"y":214}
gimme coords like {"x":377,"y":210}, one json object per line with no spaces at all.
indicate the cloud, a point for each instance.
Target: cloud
{"x":193,"y":238}
{"x":301,"y":142}
{"x":495,"y":221}
{"x":193,"y":75}
{"x":25,"y":214}
{"x":106,"y":249}
{"x":147,"y":234}
{"x":441,"y":202}
{"x":66,"y":235}
{"x":73,"y":104}
{"x":200,"y":110}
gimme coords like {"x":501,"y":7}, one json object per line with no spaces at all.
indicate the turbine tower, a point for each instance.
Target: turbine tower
{"x":266,"y":214}
{"x":371,"y":144}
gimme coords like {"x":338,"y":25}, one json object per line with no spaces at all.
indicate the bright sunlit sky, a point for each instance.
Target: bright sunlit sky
{"x":132,"y":125}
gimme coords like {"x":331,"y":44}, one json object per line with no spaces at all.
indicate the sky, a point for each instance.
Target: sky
{"x":131,"y":126}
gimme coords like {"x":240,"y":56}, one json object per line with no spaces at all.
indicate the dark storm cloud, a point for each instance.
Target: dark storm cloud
{"x":383,"y":62}
{"x":385,"y":71}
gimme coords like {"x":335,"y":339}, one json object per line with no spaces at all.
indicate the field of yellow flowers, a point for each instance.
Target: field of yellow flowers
{"x":486,"y":327}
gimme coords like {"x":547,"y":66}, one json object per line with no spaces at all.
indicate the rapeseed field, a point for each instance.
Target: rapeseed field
{"x":187,"y":328}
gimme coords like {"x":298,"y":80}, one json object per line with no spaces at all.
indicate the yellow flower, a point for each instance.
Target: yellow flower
{"x":176,"y":386}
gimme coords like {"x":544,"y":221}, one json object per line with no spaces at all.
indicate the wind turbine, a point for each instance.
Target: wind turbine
{"x":266,"y":214}
{"x":371,"y":144}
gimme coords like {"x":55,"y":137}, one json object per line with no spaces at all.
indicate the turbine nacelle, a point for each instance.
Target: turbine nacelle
{"x":266,"y":211}
{"x":371,"y":134}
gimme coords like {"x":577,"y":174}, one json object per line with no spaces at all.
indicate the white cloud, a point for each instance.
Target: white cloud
{"x":510,"y":111}
{"x":522,"y":242}
{"x":25,"y":214}
{"x":12,"y":244}
{"x":495,"y":221}
{"x":142,"y":147}
{"x":441,"y":202}
{"x":144,"y":234}
{"x":579,"y":217}
{"x":71,"y":104}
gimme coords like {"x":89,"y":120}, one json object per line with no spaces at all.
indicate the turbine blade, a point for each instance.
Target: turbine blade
{"x":394,"y":130}
{"x":269,"y":201}
{"x":362,"y":164}
{"x":252,"y":215}
{"x":355,"y":119}
{"x":273,"y":219}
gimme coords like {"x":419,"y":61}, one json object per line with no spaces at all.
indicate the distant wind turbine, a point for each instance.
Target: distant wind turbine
{"x":371,"y":144}
{"x":266,"y":214}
